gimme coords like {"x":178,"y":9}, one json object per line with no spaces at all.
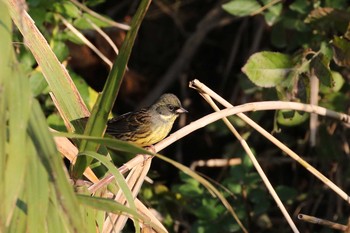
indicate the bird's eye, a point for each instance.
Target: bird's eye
{"x":171,"y":107}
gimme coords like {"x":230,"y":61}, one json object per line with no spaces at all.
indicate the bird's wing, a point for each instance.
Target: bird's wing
{"x":129,"y":122}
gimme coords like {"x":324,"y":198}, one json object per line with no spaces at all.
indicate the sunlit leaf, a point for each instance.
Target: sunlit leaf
{"x":241,"y":7}
{"x":268,"y":69}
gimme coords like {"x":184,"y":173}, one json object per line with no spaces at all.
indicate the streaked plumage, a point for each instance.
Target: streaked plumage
{"x":148,"y":125}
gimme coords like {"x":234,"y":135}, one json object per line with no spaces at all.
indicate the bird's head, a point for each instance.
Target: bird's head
{"x":168,"y":107}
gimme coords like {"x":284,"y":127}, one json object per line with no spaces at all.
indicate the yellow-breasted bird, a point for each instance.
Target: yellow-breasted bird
{"x":148,"y":125}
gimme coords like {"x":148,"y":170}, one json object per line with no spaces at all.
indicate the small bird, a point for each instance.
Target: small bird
{"x":148,"y":125}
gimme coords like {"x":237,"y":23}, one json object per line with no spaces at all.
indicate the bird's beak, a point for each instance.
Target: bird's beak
{"x":181,"y":110}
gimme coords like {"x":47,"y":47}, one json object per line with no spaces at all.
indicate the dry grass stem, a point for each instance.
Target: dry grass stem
{"x":215,"y":163}
{"x":157,"y":225}
{"x":115,"y":223}
{"x":104,"y":35}
{"x":319,"y":221}
{"x":271,"y":105}
{"x":255,"y":163}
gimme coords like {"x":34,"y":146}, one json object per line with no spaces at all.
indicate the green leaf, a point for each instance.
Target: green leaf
{"x":38,"y":14}
{"x":60,"y":49}
{"x":37,"y":83}
{"x":108,"y":205}
{"x":83,"y":22}
{"x":82,"y":86}
{"x":319,"y":65}
{"x":300,"y":6}
{"x":66,"y":8}
{"x":341,"y":50}
{"x":241,"y":7}
{"x":273,"y":13}
{"x":291,"y":118}
{"x":338,"y":82}
{"x":55,"y":121}
{"x":268,"y":69}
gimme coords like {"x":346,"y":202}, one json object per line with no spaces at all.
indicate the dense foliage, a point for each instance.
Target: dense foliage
{"x":245,"y":50}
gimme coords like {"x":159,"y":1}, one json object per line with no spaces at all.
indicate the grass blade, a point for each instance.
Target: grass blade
{"x":97,"y":122}
{"x":55,"y":74}
{"x":50,"y":158}
{"x":6,"y":57}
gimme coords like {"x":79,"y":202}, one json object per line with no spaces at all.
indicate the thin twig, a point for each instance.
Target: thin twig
{"x":100,"y":17}
{"x":265,"y":7}
{"x":134,"y":180}
{"x":216,"y":163}
{"x":314,"y":91}
{"x":104,"y":35}
{"x":320,"y":221}
{"x":86,"y":41}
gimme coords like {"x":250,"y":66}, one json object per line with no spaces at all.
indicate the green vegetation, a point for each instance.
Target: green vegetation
{"x":60,"y":65}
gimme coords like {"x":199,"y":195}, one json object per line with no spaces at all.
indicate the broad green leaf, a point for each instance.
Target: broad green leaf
{"x":341,"y":50}
{"x":241,"y":7}
{"x":268,"y":69}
